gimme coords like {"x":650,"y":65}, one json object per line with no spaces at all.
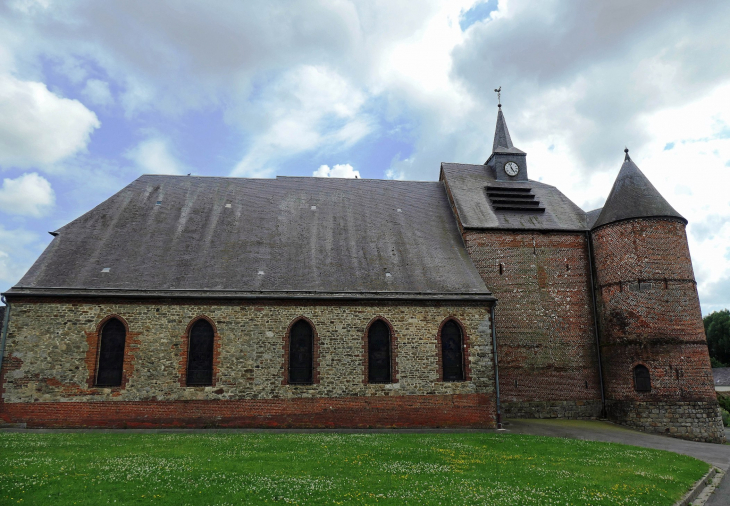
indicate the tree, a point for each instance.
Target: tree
{"x":717,"y":329}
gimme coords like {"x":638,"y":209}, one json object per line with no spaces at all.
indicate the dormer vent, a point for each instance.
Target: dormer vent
{"x":516,"y":199}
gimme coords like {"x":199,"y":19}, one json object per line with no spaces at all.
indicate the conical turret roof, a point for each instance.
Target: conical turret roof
{"x":502,"y":140}
{"x":633,"y":196}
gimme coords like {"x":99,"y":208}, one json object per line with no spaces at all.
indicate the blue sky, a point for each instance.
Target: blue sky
{"x":93,"y":94}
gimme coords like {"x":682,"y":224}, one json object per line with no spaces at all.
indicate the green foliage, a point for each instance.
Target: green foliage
{"x":717,"y":328}
{"x":724,"y":401}
{"x":725,"y":417}
{"x":327,"y":468}
{"x":716,"y":363}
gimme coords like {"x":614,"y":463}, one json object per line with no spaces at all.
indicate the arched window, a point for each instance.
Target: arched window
{"x":452,"y":355}
{"x":200,"y":354}
{"x":111,"y":354}
{"x":379,"y":353}
{"x":642,"y":379}
{"x":301,"y":353}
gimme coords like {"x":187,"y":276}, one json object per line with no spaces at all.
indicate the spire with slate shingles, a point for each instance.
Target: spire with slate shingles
{"x":501,"y":134}
{"x":633,"y":196}
{"x":502,"y":140}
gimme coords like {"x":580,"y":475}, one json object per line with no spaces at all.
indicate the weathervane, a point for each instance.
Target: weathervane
{"x":499,"y":96}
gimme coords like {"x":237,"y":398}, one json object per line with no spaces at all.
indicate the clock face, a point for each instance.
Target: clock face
{"x":511,"y":168}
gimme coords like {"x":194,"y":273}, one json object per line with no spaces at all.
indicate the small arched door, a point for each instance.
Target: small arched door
{"x":642,"y":379}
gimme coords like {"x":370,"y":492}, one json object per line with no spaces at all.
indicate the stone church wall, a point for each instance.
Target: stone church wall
{"x":48,"y":372}
{"x":545,"y":333}
{"x":649,"y":315}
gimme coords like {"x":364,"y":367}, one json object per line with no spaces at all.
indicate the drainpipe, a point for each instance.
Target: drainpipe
{"x":589,"y":241}
{"x":5,"y":333}
{"x":496,"y":367}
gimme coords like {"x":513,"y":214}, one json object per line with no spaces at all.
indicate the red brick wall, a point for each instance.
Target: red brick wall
{"x":650,"y":312}
{"x":467,"y":410}
{"x":544,"y":321}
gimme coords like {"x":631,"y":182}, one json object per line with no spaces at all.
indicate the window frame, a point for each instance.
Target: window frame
{"x":462,"y":349}
{"x":93,"y":342}
{"x":185,"y":349}
{"x":315,"y":352}
{"x":393,"y":352}
{"x":191,"y":326}
{"x":121,"y":358}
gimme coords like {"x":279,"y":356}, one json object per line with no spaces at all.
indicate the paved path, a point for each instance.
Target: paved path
{"x":718,"y":455}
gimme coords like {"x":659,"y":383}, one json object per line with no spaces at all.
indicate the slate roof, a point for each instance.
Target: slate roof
{"x":721,"y":375}
{"x":592,"y":216}
{"x":633,"y":196}
{"x":502,"y":140}
{"x":288,"y":237}
{"x":468,"y":183}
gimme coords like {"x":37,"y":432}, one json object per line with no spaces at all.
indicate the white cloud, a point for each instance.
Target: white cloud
{"x":38,"y":127}
{"x":18,"y":250}
{"x":307,"y":108}
{"x":97,"y":92}
{"x":27,"y":195}
{"x":344,"y":171}
{"x":153,"y":156}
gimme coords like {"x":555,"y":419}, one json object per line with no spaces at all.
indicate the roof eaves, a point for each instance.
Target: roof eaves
{"x":235,"y":294}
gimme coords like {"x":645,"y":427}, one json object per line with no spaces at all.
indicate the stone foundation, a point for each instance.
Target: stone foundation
{"x":586,"y":410}
{"x":693,"y":420}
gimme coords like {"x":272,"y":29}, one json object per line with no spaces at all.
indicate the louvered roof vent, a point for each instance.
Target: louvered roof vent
{"x":511,"y":198}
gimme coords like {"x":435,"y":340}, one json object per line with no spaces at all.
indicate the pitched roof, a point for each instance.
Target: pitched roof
{"x":502,"y":140}
{"x":293,"y":236}
{"x":592,"y":216}
{"x":468,"y":184}
{"x":633,"y":196}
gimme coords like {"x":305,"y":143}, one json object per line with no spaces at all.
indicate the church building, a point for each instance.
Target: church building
{"x":186,"y":301}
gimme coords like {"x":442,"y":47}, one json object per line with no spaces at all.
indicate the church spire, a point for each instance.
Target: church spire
{"x":506,"y":163}
{"x":502,"y":140}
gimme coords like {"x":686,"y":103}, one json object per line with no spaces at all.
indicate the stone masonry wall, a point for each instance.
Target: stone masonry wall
{"x":649,"y":314}
{"x":683,"y":419}
{"x":47,"y":376}
{"x":545,"y":333}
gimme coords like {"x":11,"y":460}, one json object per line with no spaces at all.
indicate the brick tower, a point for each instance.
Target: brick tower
{"x":654,"y":352}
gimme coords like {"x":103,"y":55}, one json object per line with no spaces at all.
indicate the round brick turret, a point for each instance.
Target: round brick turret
{"x":656,"y":366}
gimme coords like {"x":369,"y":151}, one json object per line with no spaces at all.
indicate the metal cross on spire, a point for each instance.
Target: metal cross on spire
{"x":499,"y":96}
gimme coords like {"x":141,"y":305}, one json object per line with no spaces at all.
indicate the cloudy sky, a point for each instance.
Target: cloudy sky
{"x":93,"y":94}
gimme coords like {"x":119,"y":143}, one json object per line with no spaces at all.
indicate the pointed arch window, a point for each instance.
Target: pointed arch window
{"x":642,"y":379}
{"x":111,"y":354}
{"x":452,"y":351}
{"x":301,"y":353}
{"x":379,"y":353}
{"x":200,"y":354}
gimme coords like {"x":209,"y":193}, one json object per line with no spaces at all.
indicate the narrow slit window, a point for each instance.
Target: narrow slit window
{"x":452,"y":355}
{"x":642,"y":379}
{"x":111,"y":354}
{"x":379,"y":353}
{"x":301,"y":353}
{"x":200,"y":354}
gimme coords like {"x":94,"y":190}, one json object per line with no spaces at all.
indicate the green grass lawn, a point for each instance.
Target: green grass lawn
{"x":326,"y":468}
